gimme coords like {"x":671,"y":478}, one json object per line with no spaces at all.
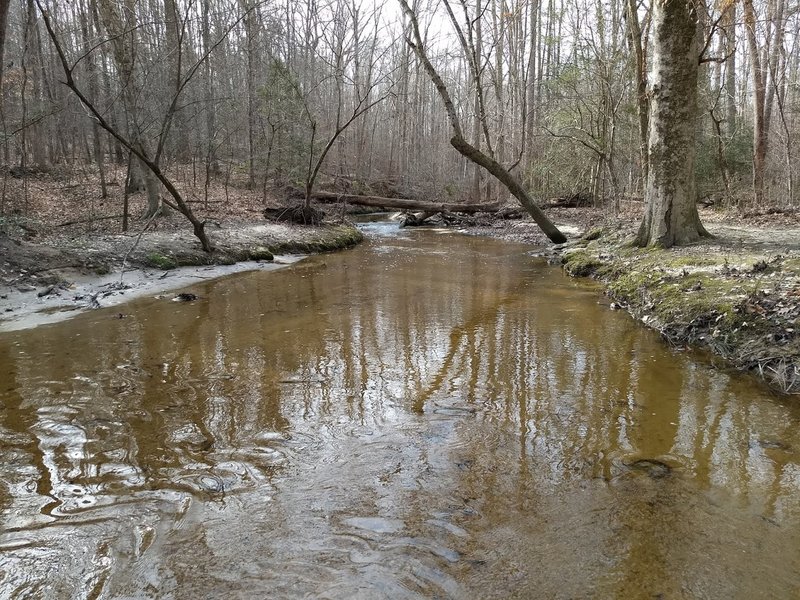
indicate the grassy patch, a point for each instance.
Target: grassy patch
{"x":679,"y":299}
{"x":593,"y":234}
{"x":791,"y":265}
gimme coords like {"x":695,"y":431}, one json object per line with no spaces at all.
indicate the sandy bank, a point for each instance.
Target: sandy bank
{"x":45,"y":283}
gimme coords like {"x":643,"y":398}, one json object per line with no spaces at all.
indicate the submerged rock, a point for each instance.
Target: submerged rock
{"x":185,"y":297}
{"x":655,"y":469}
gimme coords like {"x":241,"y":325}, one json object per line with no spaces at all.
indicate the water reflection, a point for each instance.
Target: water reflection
{"x":424,"y":416}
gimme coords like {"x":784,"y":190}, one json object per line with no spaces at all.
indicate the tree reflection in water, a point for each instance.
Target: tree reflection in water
{"x":421,"y":416}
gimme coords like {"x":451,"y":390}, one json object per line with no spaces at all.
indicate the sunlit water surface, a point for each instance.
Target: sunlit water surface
{"x":426,"y":416}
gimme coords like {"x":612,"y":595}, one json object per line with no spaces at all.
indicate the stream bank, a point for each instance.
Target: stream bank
{"x":736,"y":294}
{"x":40,"y":282}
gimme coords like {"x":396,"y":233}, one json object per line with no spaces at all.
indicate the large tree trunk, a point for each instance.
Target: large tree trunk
{"x":91,"y":69}
{"x":212,"y":165}
{"x":120,"y":24}
{"x":760,"y":125}
{"x":531,"y":97}
{"x":173,"y":33}
{"x":671,"y":212}
{"x":251,"y":45}
{"x":730,"y":71}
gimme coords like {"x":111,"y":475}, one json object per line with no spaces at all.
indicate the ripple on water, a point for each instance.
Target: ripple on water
{"x":266,"y":437}
{"x":449,"y":527}
{"x":375,"y":524}
{"x":454,"y":410}
{"x":448,"y":554}
{"x":203,"y":483}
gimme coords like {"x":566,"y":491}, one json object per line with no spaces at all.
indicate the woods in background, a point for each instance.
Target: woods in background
{"x":307,"y":92}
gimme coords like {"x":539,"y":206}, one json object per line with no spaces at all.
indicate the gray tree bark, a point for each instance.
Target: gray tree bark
{"x":642,"y":101}
{"x":730,"y":72}
{"x":91,"y":70}
{"x":760,"y":119}
{"x":531,"y":95}
{"x":120,"y":24}
{"x":3,"y":22}
{"x":671,"y":211}
{"x":212,"y":165}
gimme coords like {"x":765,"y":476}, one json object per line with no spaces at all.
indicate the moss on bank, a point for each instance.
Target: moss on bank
{"x":742,"y":305}
{"x":580,"y":263}
{"x":247,"y":245}
{"x":334,"y":237}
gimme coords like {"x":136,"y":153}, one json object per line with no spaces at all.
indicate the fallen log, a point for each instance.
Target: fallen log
{"x":406,"y":203}
{"x":576,"y":200}
{"x":416,"y":219}
{"x":509,"y":213}
{"x":458,"y":221}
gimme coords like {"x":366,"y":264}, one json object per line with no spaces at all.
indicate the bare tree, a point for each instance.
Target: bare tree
{"x":516,"y":71}
{"x":4,"y":4}
{"x":120,"y":25}
{"x":135,"y":147}
{"x":91,"y":68}
{"x":638,"y":44}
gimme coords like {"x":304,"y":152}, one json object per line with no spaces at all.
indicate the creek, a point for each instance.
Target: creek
{"x":428,"y":415}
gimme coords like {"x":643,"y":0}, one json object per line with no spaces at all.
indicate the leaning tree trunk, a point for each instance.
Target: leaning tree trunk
{"x":671,"y":211}
{"x":466,"y":149}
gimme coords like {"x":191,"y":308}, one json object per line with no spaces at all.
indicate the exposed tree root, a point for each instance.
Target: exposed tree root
{"x":299,"y":214}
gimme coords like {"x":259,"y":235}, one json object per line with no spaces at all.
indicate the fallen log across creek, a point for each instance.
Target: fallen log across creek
{"x":406,"y":203}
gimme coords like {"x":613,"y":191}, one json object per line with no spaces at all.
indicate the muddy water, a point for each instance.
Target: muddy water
{"x":426,"y":416}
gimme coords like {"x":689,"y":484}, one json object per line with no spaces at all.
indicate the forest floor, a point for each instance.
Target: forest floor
{"x":736,"y":294}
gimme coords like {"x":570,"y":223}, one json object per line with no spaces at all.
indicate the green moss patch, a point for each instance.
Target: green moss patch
{"x":247,"y":246}
{"x":580,"y":263}
{"x":336,"y":237}
{"x":161,"y":261}
{"x":260,"y":253}
{"x":593,"y":234}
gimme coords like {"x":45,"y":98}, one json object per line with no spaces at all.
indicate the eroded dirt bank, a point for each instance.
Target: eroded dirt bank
{"x":46,"y":282}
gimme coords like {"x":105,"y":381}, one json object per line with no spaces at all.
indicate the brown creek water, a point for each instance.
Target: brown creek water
{"x":426,"y":416}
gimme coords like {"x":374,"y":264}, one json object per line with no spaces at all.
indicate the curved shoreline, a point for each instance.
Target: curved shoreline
{"x":55,"y":282}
